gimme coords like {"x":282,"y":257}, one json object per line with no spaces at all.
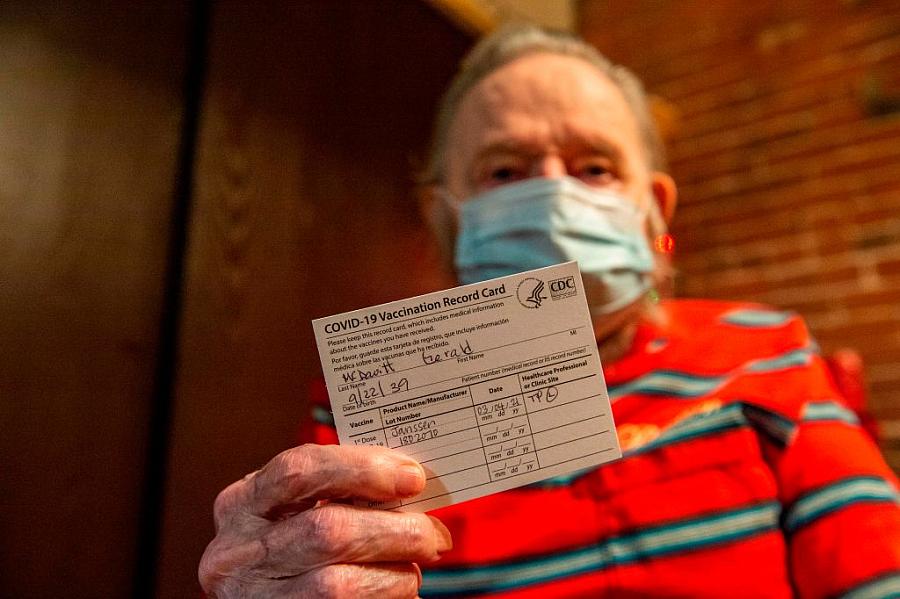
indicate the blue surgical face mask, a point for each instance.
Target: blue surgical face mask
{"x":541,"y":221}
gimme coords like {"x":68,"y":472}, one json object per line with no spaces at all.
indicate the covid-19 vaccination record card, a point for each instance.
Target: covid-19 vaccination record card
{"x":489,"y":386}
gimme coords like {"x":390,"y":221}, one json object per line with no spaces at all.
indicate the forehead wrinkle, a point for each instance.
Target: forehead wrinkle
{"x":531,"y":98}
{"x":519,"y":133}
{"x":512,"y":100}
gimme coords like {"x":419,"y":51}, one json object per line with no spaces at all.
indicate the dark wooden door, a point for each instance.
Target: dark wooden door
{"x":313,"y":117}
{"x":91,"y":113}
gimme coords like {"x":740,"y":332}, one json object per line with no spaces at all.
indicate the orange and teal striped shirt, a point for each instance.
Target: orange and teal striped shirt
{"x":744,"y":475}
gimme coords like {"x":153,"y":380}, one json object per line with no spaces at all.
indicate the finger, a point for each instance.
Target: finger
{"x":381,"y":581}
{"x":295,"y":479}
{"x":337,"y":533}
{"x":231,"y":500}
{"x":227,"y":560}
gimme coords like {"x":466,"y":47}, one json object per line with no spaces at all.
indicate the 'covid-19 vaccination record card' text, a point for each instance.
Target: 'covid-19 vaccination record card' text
{"x":489,"y":386}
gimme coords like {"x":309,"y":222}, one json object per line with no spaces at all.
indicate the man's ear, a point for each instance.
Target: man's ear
{"x":426,"y":196}
{"x":665,"y":193}
{"x":440,"y":220}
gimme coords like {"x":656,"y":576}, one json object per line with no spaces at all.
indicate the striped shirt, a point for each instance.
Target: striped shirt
{"x":743,"y":475}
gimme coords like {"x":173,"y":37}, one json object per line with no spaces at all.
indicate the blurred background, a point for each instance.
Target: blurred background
{"x":184,"y":185}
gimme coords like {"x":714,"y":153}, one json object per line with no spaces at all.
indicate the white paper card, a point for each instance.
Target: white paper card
{"x":489,"y":386}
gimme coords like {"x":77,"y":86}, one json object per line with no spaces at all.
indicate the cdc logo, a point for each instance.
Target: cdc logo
{"x":562,"y":288}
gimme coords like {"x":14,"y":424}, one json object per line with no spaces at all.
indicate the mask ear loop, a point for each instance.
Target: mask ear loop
{"x":663,"y":245}
{"x":450,"y":201}
{"x":443,"y":220}
{"x":658,"y":231}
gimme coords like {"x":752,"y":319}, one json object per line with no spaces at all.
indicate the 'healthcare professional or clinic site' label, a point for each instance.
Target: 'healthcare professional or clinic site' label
{"x":489,"y":386}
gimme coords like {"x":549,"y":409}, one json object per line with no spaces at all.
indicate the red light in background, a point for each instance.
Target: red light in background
{"x":664,"y":244}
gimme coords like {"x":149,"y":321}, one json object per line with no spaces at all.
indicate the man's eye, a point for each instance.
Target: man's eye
{"x":595,"y":171}
{"x":598,"y":173}
{"x":499,"y":172}
{"x":503,"y":174}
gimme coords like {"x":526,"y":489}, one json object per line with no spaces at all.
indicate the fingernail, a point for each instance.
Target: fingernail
{"x":441,"y":535}
{"x":409,"y":480}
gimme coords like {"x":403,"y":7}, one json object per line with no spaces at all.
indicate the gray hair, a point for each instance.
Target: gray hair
{"x":512,"y":42}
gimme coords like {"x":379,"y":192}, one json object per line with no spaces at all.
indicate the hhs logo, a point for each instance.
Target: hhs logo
{"x":530,"y":292}
{"x":562,"y":288}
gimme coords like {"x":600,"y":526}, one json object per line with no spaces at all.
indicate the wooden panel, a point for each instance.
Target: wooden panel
{"x":90,"y":120}
{"x":312,"y":116}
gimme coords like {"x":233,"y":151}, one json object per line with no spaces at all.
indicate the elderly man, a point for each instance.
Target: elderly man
{"x":742,"y":476}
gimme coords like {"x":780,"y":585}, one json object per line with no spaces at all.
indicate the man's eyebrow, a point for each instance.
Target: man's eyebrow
{"x":601,"y":145}
{"x":506,"y":147}
{"x":597,"y":145}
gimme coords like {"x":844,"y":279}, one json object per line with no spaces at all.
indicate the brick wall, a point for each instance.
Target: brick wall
{"x":785,"y":142}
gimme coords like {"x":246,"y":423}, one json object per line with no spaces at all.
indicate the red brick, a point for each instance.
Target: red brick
{"x":789,"y":191}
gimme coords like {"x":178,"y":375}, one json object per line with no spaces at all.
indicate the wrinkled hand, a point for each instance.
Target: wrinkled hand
{"x":279,"y":533}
